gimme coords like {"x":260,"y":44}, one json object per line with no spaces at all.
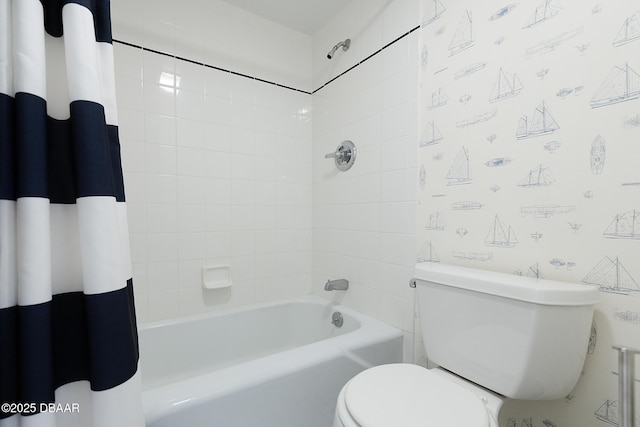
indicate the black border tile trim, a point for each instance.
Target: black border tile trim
{"x":146,"y":49}
{"x":262,"y":80}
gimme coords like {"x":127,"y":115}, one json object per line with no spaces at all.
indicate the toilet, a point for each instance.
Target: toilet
{"x":492,"y":336}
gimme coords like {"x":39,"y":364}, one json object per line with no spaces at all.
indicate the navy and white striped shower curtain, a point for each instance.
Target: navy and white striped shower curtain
{"x":68,"y":338}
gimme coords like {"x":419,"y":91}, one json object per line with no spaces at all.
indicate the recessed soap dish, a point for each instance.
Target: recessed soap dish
{"x":216,"y":277}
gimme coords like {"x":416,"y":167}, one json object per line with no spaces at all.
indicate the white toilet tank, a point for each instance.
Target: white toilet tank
{"x":521,"y":337}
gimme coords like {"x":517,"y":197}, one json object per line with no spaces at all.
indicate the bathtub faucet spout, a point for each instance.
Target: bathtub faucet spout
{"x":336,"y":285}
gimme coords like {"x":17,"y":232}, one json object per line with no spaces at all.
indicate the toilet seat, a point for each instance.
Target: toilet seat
{"x":411,"y":396}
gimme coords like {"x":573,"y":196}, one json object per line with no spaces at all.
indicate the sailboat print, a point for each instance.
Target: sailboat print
{"x":622,"y":84}
{"x":632,"y":122}
{"x":473,"y":256}
{"x":497,"y":162}
{"x":540,"y":176}
{"x":593,"y":337}
{"x":527,"y":422}
{"x":627,"y":316}
{"x":624,"y":226}
{"x":598,"y":152}
{"x":542,"y":123}
{"x":466,"y":205}
{"x":439,"y":98}
{"x":427,"y":253}
{"x":546,"y":211}
{"x":434,"y":11}
{"x":629,"y":32}
{"x":551,"y":44}
{"x":435,"y":222}
{"x":460,"y":171}
{"x":608,"y":412}
{"x":463,"y":37}
{"x":501,"y":236}
{"x":552,"y":146}
{"x":611,"y":276}
{"x":478,"y":118}
{"x":545,"y":10}
{"x":502,"y":11}
{"x":505,"y":87}
{"x":535,"y":272}
{"x":431,"y":135}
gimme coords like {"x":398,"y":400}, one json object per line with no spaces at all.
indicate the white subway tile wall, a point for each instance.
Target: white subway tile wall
{"x":217,"y":166}
{"x":364,"y":220}
{"x":225,"y":169}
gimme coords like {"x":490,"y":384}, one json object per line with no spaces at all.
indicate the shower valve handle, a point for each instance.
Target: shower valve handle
{"x":344,"y":155}
{"x":338,"y":155}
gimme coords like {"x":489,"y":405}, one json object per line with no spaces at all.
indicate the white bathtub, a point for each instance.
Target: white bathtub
{"x":270,"y":365}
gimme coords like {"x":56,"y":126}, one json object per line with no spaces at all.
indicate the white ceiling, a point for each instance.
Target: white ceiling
{"x":306,"y":16}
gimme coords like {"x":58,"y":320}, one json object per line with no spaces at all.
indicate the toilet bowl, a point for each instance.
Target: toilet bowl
{"x":492,"y":335}
{"x":408,"y":395}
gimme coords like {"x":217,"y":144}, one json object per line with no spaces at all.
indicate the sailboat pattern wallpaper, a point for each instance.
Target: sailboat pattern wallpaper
{"x":529,"y":152}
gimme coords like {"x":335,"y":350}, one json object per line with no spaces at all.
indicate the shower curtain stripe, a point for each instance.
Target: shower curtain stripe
{"x":67,"y":318}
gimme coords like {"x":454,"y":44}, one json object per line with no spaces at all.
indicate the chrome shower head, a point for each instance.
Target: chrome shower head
{"x":345,"y":47}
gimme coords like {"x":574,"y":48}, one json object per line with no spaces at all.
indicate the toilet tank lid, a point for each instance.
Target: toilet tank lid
{"x":513,"y":286}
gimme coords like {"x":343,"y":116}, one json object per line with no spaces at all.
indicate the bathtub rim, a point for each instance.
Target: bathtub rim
{"x":314,"y":299}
